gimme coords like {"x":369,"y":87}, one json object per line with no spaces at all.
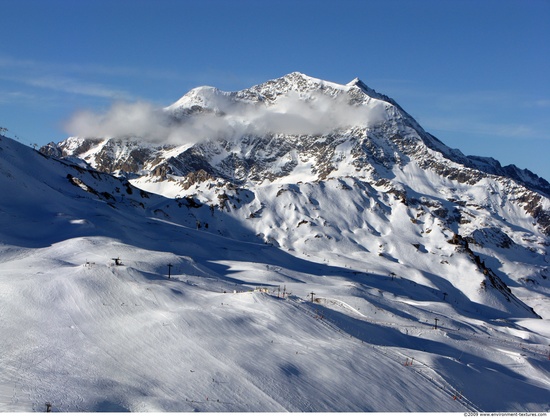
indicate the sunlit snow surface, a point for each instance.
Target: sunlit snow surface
{"x":353,"y":330}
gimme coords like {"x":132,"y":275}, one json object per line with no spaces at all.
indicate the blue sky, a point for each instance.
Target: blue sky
{"x":475,"y":73}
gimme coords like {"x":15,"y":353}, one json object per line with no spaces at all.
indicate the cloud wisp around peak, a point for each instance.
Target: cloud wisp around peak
{"x":290,"y":115}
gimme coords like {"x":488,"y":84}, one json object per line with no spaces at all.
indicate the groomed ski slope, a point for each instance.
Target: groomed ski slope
{"x":121,"y":337}
{"x":85,"y":334}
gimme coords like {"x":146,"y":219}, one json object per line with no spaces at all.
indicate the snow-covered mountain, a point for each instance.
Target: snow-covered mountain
{"x":296,"y":139}
{"x":297,"y":246}
{"x":298,"y":128}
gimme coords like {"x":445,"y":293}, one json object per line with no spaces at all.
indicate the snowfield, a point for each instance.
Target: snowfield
{"x":329,"y":296}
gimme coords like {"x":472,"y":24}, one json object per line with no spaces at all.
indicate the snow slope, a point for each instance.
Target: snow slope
{"x":258,"y":314}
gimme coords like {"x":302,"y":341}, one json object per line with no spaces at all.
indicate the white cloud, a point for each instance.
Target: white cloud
{"x":292,"y":114}
{"x":73,"y":78}
{"x":542,"y":103}
{"x":122,"y":119}
{"x":470,"y":126}
{"x":39,"y":67}
{"x":69,"y":85}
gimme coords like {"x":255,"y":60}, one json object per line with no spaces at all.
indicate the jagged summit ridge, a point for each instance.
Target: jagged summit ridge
{"x":270,"y":91}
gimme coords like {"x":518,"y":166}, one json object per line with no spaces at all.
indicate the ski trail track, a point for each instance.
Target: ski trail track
{"x":528,"y":355}
{"x":426,"y":372}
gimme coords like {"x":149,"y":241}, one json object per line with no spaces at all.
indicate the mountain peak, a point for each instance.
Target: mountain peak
{"x":357,"y":82}
{"x":297,"y":74}
{"x":302,"y":82}
{"x":199,"y":96}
